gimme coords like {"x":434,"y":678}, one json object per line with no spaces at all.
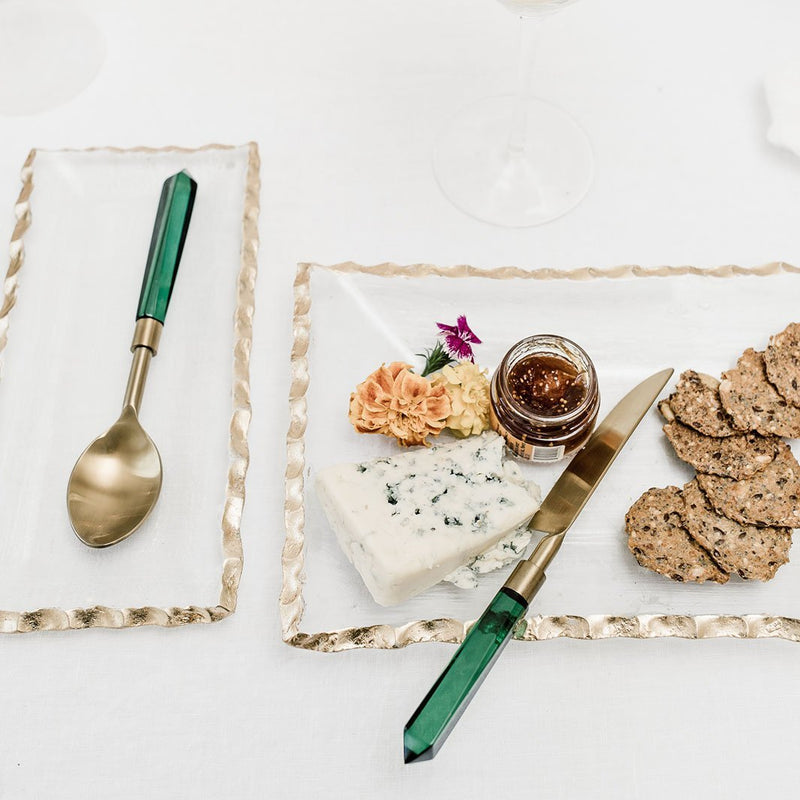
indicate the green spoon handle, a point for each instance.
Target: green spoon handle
{"x":442,"y":707}
{"x":166,"y":245}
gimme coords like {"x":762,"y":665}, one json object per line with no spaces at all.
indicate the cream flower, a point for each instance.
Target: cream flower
{"x":396,"y":402}
{"x":468,"y":388}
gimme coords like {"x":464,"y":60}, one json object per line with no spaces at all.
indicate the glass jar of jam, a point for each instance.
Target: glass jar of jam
{"x":544,"y":398}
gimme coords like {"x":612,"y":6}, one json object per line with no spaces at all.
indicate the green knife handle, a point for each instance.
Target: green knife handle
{"x":166,"y":245}
{"x":442,"y":707}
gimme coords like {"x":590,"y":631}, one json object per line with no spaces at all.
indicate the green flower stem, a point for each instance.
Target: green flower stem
{"x":435,"y":359}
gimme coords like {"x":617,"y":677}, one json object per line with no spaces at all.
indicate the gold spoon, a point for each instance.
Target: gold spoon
{"x":116,"y":481}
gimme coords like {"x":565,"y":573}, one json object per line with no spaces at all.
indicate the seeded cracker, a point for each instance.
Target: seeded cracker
{"x":659,"y":542}
{"x":782,"y":361}
{"x":753,"y":402}
{"x":754,"y":553}
{"x":739,"y":456}
{"x":770,"y":497}
{"x":696,"y":403}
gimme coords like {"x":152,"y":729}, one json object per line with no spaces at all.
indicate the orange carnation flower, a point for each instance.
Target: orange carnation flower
{"x":396,"y":402}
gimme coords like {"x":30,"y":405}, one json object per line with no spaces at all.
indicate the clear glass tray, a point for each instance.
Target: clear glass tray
{"x":77,"y":259}
{"x":633,"y":322}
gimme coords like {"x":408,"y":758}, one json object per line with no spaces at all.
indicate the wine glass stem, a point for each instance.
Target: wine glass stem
{"x":528,"y":38}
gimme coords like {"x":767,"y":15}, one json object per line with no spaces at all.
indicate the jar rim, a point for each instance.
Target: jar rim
{"x":585,"y":364}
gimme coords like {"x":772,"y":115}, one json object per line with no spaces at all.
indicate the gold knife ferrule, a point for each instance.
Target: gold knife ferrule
{"x":528,"y":576}
{"x":147,"y":334}
{"x":526,"y":580}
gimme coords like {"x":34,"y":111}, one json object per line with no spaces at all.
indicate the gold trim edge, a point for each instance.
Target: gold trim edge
{"x":57,"y":619}
{"x":537,"y":628}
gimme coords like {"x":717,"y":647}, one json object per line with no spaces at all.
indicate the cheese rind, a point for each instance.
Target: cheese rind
{"x":407,"y":521}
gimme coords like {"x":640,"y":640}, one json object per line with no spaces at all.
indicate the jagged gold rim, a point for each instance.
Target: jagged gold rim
{"x":538,"y":628}
{"x":57,"y":619}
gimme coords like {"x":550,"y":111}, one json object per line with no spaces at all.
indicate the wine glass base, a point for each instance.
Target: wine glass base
{"x":49,"y":52}
{"x":480,"y":173}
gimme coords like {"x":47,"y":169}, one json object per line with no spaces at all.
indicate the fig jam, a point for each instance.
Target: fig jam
{"x":547,"y":385}
{"x":544,"y":398}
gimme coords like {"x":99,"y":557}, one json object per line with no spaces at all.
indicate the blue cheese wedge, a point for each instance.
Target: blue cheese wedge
{"x":407,"y":521}
{"x":505,"y":552}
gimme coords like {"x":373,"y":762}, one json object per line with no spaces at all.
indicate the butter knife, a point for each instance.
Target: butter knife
{"x":438,"y":713}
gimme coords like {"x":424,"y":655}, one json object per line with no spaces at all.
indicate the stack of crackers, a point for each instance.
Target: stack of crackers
{"x":738,"y":513}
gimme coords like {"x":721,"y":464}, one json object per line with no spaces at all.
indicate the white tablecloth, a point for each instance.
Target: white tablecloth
{"x":344,"y":98}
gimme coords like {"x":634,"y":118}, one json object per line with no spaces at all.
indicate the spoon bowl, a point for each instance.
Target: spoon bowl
{"x":115,"y":483}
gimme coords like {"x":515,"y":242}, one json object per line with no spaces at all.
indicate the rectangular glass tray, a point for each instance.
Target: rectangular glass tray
{"x":78,"y":251}
{"x":348,"y":319}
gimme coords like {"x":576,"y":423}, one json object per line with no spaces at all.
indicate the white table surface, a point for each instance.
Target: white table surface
{"x":344,"y":98}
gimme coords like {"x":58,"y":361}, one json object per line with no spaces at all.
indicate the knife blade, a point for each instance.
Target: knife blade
{"x":440,"y":710}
